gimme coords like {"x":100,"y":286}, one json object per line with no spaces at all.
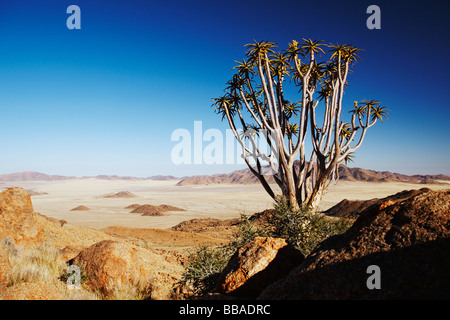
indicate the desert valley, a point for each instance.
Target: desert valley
{"x":153,"y":223}
{"x":104,"y":200}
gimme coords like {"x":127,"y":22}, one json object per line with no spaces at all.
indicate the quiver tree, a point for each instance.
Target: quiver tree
{"x":256,"y":101}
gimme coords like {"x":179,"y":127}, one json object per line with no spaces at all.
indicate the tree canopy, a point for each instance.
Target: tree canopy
{"x":256,"y":107}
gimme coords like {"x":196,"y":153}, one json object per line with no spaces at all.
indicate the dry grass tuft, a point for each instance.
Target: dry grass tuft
{"x":42,"y":264}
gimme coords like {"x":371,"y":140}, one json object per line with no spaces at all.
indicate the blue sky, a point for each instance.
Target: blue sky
{"x":105,"y":99}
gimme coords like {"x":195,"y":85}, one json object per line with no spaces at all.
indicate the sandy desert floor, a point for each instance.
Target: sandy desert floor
{"x":203,"y":201}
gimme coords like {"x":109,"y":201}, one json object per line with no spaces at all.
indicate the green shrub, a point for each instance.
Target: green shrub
{"x":246,"y":232}
{"x":303,"y":228}
{"x":203,"y":268}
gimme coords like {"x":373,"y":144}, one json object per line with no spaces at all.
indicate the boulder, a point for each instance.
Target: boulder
{"x":353,"y":208}
{"x":111,"y":265}
{"x":409,"y":240}
{"x":17,"y":217}
{"x":18,"y":226}
{"x":256,"y":265}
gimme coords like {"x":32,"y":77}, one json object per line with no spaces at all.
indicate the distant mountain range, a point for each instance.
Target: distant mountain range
{"x":32,"y":176}
{"x":37,"y":176}
{"x":243,"y":176}
{"x":345,"y":174}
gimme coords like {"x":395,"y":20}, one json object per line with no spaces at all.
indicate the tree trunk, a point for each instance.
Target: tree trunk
{"x":292,"y":195}
{"x":316,"y":197}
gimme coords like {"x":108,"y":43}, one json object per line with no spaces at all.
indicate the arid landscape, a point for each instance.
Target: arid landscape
{"x":103,"y":201}
{"x":150,"y":226}
{"x":122,"y":123}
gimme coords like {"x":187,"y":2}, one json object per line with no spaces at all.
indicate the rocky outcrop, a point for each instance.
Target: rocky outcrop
{"x":121,"y":194}
{"x":408,"y":240}
{"x":80,"y":208}
{"x":353,"y":208}
{"x":151,"y":210}
{"x":132,"y":206}
{"x":20,"y":226}
{"x":17,"y":217}
{"x":201,"y":224}
{"x":256,"y":265}
{"x":112,"y":265}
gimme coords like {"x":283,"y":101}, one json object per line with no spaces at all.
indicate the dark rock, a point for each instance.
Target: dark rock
{"x":353,"y":208}
{"x":256,"y":265}
{"x":408,"y":240}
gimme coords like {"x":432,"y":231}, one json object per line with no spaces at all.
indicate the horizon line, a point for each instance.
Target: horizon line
{"x":170,"y":176}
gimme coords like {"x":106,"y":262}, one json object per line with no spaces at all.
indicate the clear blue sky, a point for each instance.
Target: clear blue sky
{"x":105,"y":99}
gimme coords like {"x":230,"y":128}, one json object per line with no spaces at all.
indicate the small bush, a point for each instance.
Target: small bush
{"x":204,"y":267}
{"x":303,"y":228}
{"x":246,"y":232}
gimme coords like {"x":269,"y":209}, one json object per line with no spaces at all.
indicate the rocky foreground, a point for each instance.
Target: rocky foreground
{"x":406,"y":236}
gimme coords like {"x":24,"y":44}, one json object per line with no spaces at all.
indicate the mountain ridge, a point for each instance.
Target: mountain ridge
{"x":38,"y":176}
{"x":243,"y":176}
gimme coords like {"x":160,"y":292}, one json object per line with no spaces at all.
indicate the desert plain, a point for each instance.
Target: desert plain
{"x":57,"y":198}
{"x":88,"y":218}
